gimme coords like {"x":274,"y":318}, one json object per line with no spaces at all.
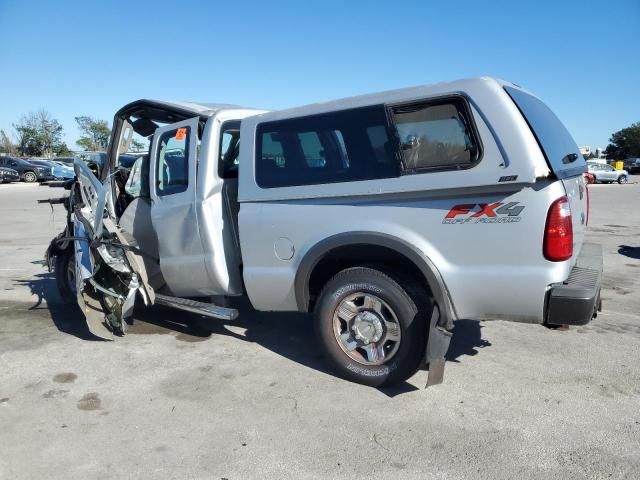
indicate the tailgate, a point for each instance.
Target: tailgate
{"x":576,"y":188}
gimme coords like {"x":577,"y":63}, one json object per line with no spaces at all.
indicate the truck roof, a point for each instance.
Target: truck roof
{"x":477,"y":84}
{"x":158,"y":108}
{"x":397,"y":95}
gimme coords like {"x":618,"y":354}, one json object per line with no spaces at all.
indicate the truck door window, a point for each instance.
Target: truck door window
{"x":172,"y":164}
{"x":435,"y":135}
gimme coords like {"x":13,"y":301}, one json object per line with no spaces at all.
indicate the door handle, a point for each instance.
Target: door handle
{"x":570,"y":158}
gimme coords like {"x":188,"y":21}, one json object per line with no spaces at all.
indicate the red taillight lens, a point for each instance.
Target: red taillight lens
{"x":558,"y":232}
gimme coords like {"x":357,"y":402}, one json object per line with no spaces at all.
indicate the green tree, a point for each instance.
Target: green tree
{"x":625,"y":143}
{"x":138,"y":146}
{"x":62,"y":150}
{"x":95,"y":133}
{"x":6,"y":145}
{"x":38,"y":133}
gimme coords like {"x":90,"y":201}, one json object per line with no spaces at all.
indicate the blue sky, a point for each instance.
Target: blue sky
{"x":90,"y":58}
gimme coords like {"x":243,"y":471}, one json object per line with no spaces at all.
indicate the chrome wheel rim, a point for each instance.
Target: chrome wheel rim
{"x":367,"y":329}
{"x":30,"y":177}
{"x":623,"y":179}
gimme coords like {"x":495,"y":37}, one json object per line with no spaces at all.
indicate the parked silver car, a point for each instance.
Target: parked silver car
{"x":605,"y":173}
{"x":389,"y":216}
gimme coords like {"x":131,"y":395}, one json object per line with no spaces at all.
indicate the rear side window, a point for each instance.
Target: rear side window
{"x":342,"y":146}
{"x":172,"y":166}
{"x":554,"y":139}
{"x":436,"y":135}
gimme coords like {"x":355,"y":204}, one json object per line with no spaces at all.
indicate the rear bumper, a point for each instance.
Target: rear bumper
{"x":577,"y":300}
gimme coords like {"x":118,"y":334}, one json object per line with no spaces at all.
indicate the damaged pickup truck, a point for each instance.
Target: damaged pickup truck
{"x":389,"y":216}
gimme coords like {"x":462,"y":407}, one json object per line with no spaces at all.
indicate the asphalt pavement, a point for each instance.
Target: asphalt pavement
{"x":188,"y":398}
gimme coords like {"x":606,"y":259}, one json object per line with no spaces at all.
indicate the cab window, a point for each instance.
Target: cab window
{"x":343,"y":146}
{"x":229,"y":150}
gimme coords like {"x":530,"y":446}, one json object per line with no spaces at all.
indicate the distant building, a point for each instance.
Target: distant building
{"x":598,"y":152}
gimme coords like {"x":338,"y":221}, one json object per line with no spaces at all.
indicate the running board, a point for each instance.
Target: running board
{"x":199,"y":308}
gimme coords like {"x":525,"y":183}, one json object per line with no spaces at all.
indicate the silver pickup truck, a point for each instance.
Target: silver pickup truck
{"x":389,"y":216}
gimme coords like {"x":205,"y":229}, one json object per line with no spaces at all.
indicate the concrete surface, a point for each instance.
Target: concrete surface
{"x":180,"y":397}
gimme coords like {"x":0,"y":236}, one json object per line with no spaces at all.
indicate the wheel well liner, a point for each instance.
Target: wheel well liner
{"x":423,"y":264}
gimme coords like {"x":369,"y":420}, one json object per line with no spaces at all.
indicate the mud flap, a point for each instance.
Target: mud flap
{"x":437,"y":346}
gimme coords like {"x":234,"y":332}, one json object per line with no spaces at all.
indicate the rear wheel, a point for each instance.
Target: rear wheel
{"x":30,"y":177}
{"x":65,"y":270}
{"x":371,"y":329}
{"x":622,"y":179}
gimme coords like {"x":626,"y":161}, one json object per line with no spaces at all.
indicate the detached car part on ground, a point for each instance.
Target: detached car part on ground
{"x":389,"y":216}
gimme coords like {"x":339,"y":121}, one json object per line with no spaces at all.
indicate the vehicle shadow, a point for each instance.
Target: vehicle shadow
{"x":627,"y":251}
{"x":466,"y":339}
{"x":288,"y":334}
{"x":66,"y":317}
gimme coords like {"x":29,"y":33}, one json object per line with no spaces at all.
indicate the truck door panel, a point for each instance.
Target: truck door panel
{"x":172,"y":175}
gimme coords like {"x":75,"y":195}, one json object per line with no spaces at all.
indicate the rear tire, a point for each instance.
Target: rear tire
{"x":371,"y":329}
{"x":65,"y":275}
{"x":30,"y":177}
{"x":622,"y":179}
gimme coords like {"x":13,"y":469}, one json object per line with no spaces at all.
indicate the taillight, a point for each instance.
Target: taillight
{"x":558,"y":232}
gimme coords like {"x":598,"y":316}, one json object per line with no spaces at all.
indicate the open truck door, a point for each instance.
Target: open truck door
{"x":172,"y":171}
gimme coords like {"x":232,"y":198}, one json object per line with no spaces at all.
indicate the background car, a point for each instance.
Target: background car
{"x":28,"y":172}
{"x":632,"y":165}
{"x":63,"y":171}
{"x":57,"y":171}
{"x":94,"y":160}
{"x":66,"y":160}
{"x":8,"y":175}
{"x":126,"y":160}
{"x":604,"y":173}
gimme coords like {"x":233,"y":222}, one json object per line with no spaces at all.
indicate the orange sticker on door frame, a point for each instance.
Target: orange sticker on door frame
{"x":181,"y":133}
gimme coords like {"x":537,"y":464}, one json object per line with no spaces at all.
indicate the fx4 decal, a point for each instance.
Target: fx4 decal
{"x":496,"y":212}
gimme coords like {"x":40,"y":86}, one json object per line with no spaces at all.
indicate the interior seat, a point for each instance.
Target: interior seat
{"x":136,"y":223}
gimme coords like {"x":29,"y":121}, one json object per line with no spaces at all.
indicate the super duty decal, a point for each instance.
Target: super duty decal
{"x":496,"y":212}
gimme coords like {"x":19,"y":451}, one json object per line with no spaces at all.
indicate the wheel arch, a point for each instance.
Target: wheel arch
{"x":323,"y":249}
